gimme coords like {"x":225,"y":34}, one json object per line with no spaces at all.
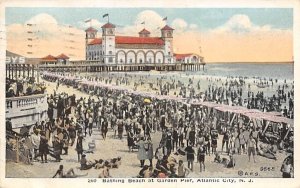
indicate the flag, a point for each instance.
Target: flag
{"x":88,"y":20}
{"x":105,"y":15}
{"x":143,"y":23}
{"x":165,"y":18}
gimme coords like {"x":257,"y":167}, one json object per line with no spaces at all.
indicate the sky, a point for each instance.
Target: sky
{"x":218,"y":34}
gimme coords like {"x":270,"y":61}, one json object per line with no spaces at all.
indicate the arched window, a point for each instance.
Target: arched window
{"x":195,"y":59}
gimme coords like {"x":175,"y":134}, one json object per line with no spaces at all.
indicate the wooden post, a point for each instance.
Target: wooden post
{"x":287,"y":133}
{"x":17,"y":151}
{"x":267,"y":125}
{"x":234,"y":115}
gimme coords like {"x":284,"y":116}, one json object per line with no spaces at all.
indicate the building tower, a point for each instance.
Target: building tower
{"x":144,"y":33}
{"x":108,"y":43}
{"x":90,"y":34}
{"x":167,"y":36}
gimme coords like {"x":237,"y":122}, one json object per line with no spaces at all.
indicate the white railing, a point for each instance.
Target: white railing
{"x":26,"y":110}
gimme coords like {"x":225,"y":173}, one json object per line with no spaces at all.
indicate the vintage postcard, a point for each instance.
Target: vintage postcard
{"x":127,"y":93}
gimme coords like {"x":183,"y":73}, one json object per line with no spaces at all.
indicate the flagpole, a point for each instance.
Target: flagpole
{"x":166,"y":20}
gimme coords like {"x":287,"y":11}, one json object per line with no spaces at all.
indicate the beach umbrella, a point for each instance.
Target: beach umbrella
{"x":147,"y":100}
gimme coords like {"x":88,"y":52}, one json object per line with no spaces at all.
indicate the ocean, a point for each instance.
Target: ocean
{"x":276,"y":71}
{"x":281,"y":72}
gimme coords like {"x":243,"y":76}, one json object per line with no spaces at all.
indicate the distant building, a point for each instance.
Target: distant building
{"x":188,"y":58}
{"x":111,"y":52}
{"x":61,"y":59}
{"x":114,"y":49}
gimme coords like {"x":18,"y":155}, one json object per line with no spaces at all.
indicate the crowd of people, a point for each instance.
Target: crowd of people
{"x":189,"y":131}
{"x":237,"y":91}
{"x":23,"y":87}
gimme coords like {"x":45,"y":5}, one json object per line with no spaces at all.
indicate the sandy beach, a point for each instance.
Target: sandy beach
{"x":113,"y":147}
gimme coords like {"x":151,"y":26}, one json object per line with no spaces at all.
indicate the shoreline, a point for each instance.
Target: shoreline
{"x":249,"y":62}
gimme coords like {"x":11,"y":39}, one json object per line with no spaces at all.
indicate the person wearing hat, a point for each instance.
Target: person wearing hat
{"x":35,"y":140}
{"x":65,"y":141}
{"x":287,"y":168}
{"x":29,"y":90}
{"x":192,"y":136}
{"x":50,"y":111}
{"x":190,"y":152}
{"x":104,"y":128}
{"x":72,"y":133}
{"x":149,"y":149}
{"x":207,"y":142}
{"x":242,"y":141}
{"x":225,"y":141}
{"x":84,"y":163}
{"x":175,"y":137}
{"x":57,"y":148}
{"x":79,"y":147}
{"x":201,"y":156}
{"x":43,"y":147}
{"x":214,"y":140}
{"x":130,"y":140}
{"x":142,"y":155}
{"x":90,"y":123}
{"x":10,"y":92}
{"x":251,"y":144}
{"x":28,"y":147}
{"x":169,"y":140}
